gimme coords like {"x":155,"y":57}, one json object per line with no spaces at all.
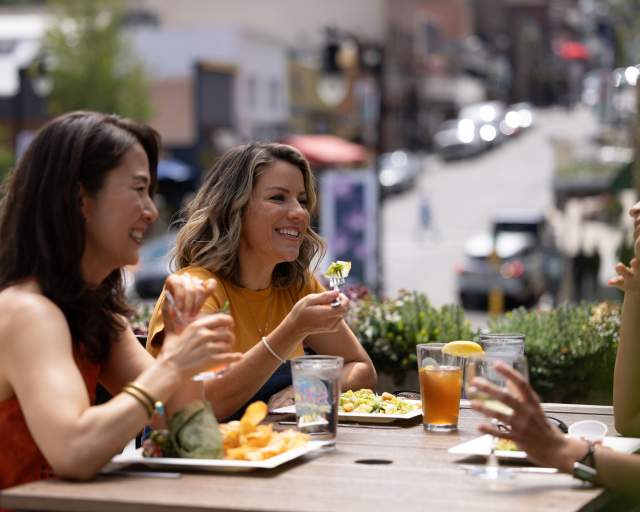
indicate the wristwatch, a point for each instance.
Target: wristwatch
{"x":585,"y":468}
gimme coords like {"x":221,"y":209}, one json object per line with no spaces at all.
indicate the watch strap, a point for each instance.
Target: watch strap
{"x":585,"y":468}
{"x":584,"y":472}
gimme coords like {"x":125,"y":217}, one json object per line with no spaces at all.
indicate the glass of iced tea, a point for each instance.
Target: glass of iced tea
{"x":440,"y":387}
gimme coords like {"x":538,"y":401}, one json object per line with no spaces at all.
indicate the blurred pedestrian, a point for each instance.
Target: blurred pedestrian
{"x":426,"y":221}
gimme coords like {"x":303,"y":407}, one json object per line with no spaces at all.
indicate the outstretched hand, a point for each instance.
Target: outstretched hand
{"x":528,"y":426}
{"x":628,"y":278}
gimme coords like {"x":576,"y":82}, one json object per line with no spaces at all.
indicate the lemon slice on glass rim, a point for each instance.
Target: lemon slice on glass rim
{"x":462,"y":348}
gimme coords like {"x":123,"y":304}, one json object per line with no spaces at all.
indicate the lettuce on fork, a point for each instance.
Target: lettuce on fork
{"x":338,"y":269}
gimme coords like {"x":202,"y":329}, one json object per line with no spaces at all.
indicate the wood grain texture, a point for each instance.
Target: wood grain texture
{"x":422,"y":476}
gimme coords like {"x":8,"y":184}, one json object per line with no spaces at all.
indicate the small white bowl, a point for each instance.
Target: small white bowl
{"x":591,"y":430}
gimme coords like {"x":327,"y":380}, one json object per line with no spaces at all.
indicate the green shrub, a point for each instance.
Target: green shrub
{"x":139,"y":321}
{"x":390,"y":329}
{"x":571,"y":350}
{"x":7,"y":159}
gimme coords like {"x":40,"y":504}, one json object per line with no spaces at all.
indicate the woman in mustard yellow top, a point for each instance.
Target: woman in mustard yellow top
{"x":248,"y":227}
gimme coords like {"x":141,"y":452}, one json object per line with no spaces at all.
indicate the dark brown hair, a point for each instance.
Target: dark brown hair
{"x":42,"y":229}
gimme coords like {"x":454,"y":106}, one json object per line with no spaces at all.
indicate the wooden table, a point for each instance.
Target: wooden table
{"x":422,"y":476}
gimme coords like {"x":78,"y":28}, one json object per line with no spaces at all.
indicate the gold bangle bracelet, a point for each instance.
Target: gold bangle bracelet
{"x":144,"y":392}
{"x":140,"y":398}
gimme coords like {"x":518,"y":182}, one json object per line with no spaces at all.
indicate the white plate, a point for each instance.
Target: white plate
{"x":364,"y":417}
{"x":126,"y":459}
{"x":482,"y":445}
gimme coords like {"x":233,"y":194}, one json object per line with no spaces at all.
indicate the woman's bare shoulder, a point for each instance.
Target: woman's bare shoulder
{"x":24,"y":307}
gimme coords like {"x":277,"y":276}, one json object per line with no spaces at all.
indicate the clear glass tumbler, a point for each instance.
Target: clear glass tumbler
{"x":316,"y":387}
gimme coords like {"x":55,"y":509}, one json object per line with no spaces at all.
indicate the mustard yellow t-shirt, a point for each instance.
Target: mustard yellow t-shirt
{"x":255,"y":312}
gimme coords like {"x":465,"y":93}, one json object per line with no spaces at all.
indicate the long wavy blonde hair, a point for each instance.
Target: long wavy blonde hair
{"x":211,"y":235}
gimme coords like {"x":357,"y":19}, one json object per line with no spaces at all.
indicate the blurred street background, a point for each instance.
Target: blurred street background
{"x":483,"y":152}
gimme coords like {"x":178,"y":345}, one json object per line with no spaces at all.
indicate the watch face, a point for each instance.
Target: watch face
{"x":584,"y":472}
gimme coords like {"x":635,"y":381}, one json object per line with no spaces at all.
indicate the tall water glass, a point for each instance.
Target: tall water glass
{"x":316,"y":388}
{"x":505,"y":345}
{"x":483,"y":365}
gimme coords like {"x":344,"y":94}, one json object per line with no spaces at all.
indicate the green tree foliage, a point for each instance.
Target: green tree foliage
{"x":389,"y":329}
{"x":6,"y":159}
{"x":92,"y":66}
{"x":626,"y":18}
{"x":571,"y":350}
{"x":21,"y":3}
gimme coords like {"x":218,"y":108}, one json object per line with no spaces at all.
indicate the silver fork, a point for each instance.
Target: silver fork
{"x":336,"y":282}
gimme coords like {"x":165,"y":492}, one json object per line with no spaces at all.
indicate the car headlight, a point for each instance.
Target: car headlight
{"x":466,"y":131}
{"x":526,"y":118}
{"x":488,"y":133}
{"x":512,"y":119}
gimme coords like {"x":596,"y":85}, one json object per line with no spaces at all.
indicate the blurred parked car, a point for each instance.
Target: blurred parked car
{"x":458,"y":138}
{"x":487,"y":116}
{"x":510,"y":261}
{"x":523,"y":220}
{"x":518,"y":255}
{"x":398,"y":171}
{"x":147,"y":279}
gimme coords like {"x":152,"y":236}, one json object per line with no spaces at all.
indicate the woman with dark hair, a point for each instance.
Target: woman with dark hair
{"x":249,"y":229}
{"x":75,"y":212}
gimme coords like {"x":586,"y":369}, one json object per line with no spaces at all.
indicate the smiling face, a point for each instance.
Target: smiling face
{"x":117,"y":217}
{"x":276,"y":218}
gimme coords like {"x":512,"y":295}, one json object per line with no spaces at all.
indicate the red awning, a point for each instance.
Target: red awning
{"x":325,"y":150}
{"x":573,"y":50}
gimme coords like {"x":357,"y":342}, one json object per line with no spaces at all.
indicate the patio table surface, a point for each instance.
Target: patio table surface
{"x":422,"y":476}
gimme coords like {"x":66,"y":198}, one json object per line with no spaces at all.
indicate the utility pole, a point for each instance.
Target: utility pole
{"x":496,"y":294}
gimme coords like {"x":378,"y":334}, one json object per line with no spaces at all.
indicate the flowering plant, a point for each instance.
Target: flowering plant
{"x":571,"y":350}
{"x":389,"y":329}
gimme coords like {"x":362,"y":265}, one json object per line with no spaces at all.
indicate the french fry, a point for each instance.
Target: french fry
{"x":248,"y":440}
{"x":254,"y":414}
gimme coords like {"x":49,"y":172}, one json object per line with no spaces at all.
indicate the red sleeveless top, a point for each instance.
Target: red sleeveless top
{"x":20,"y":458}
